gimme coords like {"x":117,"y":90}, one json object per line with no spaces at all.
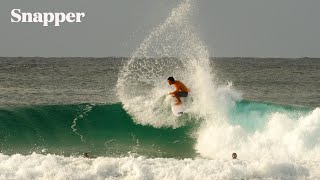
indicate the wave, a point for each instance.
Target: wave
{"x":102,"y":130}
{"x":108,"y":130}
{"x":126,"y":150}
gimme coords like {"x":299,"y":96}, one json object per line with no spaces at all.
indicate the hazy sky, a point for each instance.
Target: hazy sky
{"x":258,"y":28}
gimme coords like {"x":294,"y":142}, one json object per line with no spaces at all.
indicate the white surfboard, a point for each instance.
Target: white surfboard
{"x":178,"y":110}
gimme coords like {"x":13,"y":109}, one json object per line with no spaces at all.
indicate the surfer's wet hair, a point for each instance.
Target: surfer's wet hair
{"x":171,"y":79}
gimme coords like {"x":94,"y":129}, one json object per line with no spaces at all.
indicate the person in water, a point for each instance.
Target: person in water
{"x":181,"y":89}
{"x":86,"y":155}
{"x":234,"y":156}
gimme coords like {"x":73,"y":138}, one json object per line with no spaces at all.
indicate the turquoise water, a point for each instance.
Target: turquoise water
{"x":253,"y":116}
{"x":107,"y":130}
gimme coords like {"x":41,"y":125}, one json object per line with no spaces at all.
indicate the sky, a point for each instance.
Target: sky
{"x":229,"y":28}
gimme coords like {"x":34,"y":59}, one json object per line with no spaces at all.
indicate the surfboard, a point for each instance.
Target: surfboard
{"x":178,"y":110}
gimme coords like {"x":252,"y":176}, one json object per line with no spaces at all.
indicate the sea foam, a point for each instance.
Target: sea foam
{"x":38,"y":166}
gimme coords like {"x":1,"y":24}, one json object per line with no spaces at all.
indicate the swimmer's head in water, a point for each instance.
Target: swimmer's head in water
{"x":171,"y":80}
{"x":234,"y":155}
{"x":86,"y":155}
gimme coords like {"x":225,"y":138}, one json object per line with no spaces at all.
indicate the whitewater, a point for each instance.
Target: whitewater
{"x":136,"y":136}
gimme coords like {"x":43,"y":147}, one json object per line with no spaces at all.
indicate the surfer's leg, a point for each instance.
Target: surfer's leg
{"x":178,"y":98}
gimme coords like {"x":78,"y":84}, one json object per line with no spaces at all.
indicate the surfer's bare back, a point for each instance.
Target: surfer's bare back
{"x":181,"y":89}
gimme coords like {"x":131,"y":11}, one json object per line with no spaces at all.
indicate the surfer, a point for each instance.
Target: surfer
{"x":181,"y":89}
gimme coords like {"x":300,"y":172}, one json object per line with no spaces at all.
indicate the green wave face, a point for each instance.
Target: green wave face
{"x":107,"y":130}
{"x":253,"y":116}
{"x":102,"y":130}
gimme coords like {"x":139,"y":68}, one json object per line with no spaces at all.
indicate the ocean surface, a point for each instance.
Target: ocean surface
{"x":117,"y":110}
{"x":55,"y":109}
